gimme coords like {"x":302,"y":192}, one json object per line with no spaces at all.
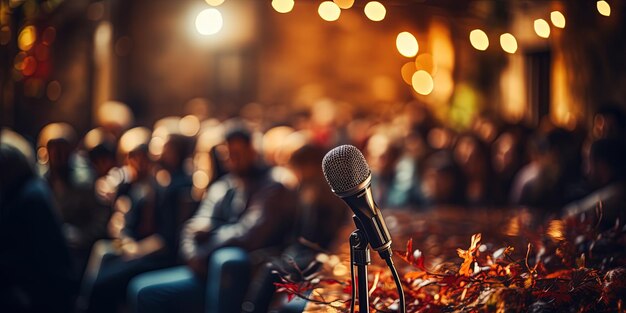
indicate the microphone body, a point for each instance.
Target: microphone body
{"x":350,"y":179}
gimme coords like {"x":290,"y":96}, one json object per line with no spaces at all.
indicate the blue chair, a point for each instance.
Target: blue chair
{"x":230,"y":270}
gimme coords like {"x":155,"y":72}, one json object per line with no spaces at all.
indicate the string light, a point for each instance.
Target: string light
{"x":407,"y":44}
{"x":422,"y":82}
{"x":603,"y":7}
{"x":542,"y":28}
{"x":283,"y":6}
{"x":479,"y":40}
{"x":209,"y":22}
{"x":508,"y":43}
{"x":558,"y":19}
{"x":329,"y":11}
{"x":375,"y":11}
{"x":344,"y":4}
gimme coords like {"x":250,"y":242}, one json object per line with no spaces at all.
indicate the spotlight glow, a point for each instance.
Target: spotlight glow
{"x":209,"y":22}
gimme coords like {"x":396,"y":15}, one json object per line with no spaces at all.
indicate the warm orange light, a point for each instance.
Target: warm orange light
{"x":27,"y":38}
{"x":214,"y":2}
{"x":200,"y":179}
{"x":344,"y":4}
{"x":422,"y":82}
{"x":558,"y":19}
{"x":425,"y":62}
{"x":479,"y":40}
{"x":283,"y":6}
{"x":375,"y":11}
{"x":189,"y":125}
{"x":508,"y":43}
{"x":209,"y":22}
{"x":407,"y":71}
{"x":407,"y":44}
{"x":542,"y":28}
{"x":603,"y":7}
{"x":329,"y":11}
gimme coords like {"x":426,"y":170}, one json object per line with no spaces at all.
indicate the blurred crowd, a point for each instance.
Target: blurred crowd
{"x":136,"y":219}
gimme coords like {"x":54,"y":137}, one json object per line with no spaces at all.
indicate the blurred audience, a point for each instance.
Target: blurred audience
{"x":245,"y":208}
{"x":260,"y":189}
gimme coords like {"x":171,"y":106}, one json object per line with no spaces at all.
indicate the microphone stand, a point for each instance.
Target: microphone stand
{"x":360,"y":257}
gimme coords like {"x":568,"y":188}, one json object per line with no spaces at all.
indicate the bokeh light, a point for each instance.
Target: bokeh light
{"x":426,"y":62}
{"x":200,"y":179}
{"x":283,"y":6}
{"x":542,"y":28}
{"x":344,"y":4}
{"x":214,"y":2}
{"x":53,"y":91}
{"x":407,"y":44}
{"x":479,"y":40}
{"x":27,"y":38}
{"x":407,"y":71}
{"x":209,"y":22}
{"x":5,"y":35}
{"x":558,"y":19}
{"x":375,"y":11}
{"x":603,"y":7}
{"x":422,"y":82}
{"x":508,"y":43}
{"x":189,"y":125}
{"x":329,"y":11}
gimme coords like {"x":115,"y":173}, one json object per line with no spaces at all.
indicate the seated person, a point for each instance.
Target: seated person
{"x":245,"y":209}
{"x":145,"y":226}
{"x":322,"y":214}
{"x":607,"y":172}
{"x":35,"y":267}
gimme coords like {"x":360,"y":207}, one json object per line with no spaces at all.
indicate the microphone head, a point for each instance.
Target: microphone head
{"x":345,"y":168}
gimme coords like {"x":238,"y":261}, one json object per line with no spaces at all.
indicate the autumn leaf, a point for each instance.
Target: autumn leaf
{"x":469,"y":255}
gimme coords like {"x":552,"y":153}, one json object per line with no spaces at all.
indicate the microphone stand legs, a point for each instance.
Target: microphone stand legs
{"x":360,"y":257}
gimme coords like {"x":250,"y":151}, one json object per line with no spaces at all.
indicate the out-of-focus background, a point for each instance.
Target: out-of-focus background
{"x":165,"y":156}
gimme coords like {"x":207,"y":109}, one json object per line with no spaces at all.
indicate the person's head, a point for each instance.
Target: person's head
{"x":443,"y":181}
{"x":241,"y":153}
{"x":102,"y":158}
{"x":59,"y":153}
{"x":606,"y":161}
{"x":609,"y":121}
{"x":175,"y":152}
{"x":306,"y":163}
{"x":139,"y":161}
{"x":383,"y":153}
{"x":473,"y":156}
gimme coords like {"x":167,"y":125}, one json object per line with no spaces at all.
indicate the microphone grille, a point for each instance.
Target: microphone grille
{"x":345,"y":168}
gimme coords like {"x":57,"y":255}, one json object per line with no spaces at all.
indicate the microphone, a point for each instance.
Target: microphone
{"x":349,"y":177}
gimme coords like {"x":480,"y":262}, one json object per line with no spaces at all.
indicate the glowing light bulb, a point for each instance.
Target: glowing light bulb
{"x":283,"y":6}
{"x":407,"y":44}
{"x":603,"y":7}
{"x":375,"y":11}
{"x":479,"y":40}
{"x":422,"y":82}
{"x":329,"y":11}
{"x":542,"y":28}
{"x":209,"y":22}
{"x":508,"y":43}
{"x":558,"y":19}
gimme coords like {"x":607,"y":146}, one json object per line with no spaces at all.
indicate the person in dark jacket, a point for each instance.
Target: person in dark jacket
{"x":35,"y":267}
{"x":246,"y":209}
{"x":145,"y":226}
